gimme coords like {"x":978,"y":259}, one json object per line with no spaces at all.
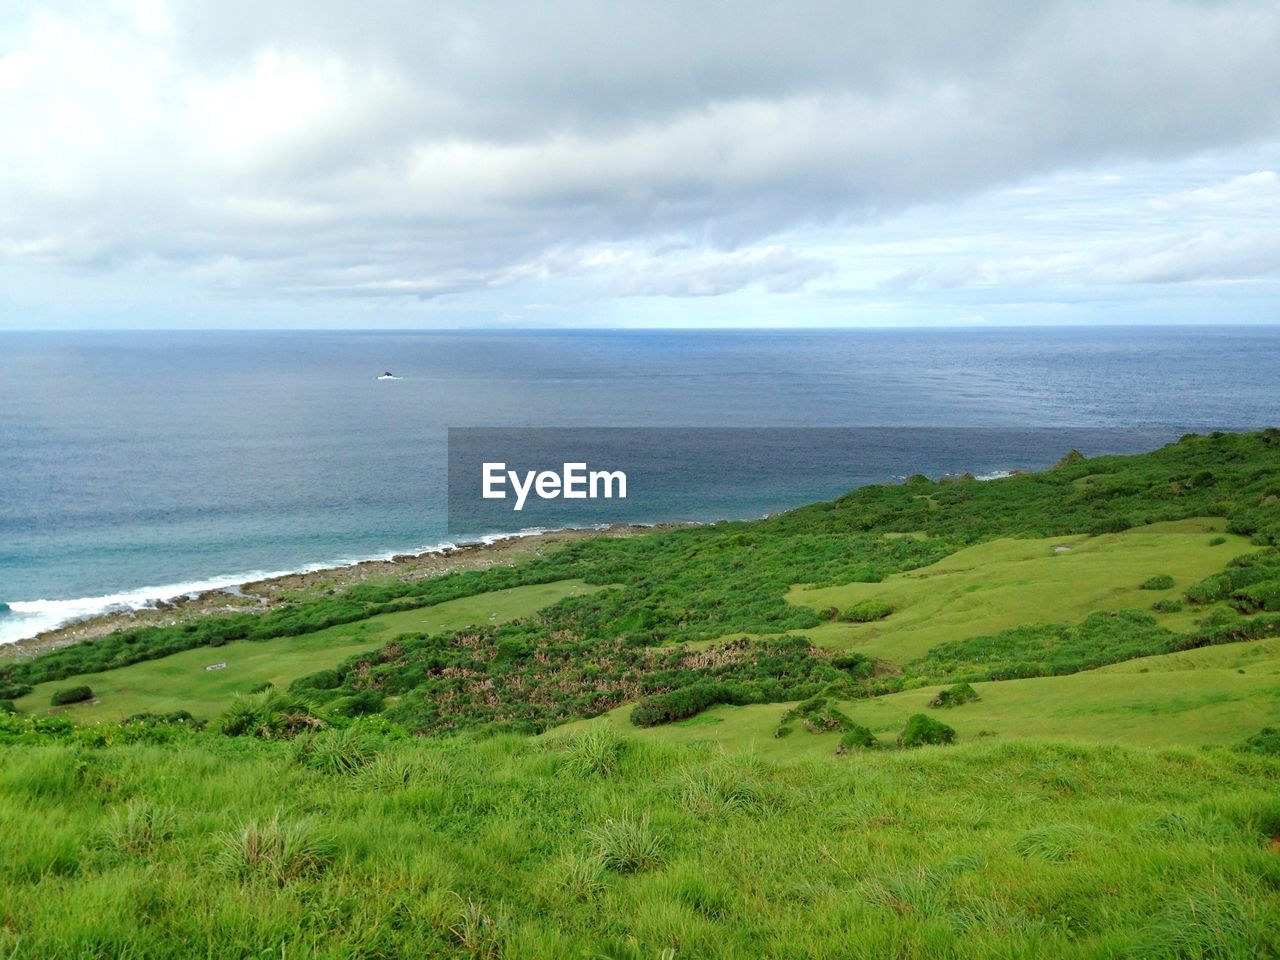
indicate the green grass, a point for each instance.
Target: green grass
{"x":181,"y":682}
{"x":1007,"y":583}
{"x":1213,"y":696}
{"x":508,"y":848}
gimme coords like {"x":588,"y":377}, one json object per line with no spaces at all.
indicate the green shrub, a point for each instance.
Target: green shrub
{"x":1161,"y":581}
{"x":857,"y":737}
{"x":1217,"y":541}
{"x":361,"y":704}
{"x":866,"y":611}
{"x":320,"y":680}
{"x":921,"y":730}
{"x":71,"y":695}
{"x":955,"y":696}
{"x":1115,"y":524}
{"x":14,"y":691}
{"x":7,"y":706}
{"x":1266,"y":741}
{"x":269,"y":715}
{"x":1167,"y":605}
{"x":679,"y":704}
{"x":855,"y":664}
{"x":818,"y":715}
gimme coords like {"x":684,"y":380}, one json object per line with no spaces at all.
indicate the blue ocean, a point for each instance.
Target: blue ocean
{"x":141,"y":465}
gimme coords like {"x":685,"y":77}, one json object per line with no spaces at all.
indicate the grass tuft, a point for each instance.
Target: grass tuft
{"x":277,"y":849}
{"x":138,"y":828}
{"x":1055,"y":843}
{"x":594,"y":753}
{"x":628,"y":844}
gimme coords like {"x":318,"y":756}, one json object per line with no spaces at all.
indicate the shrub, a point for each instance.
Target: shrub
{"x":14,"y":691}
{"x":955,"y":696}
{"x":71,"y":695}
{"x":866,"y":611}
{"x":1217,"y":541}
{"x":818,"y":716}
{"x":268,"y":715}
{"x":1167,"y":605}
{"x":679,"y":704}
{"x":7,"y":706}
{"x":320,"y":680}
{"x":855,"y":664}
{"x":921,"y":730}
{"x":1161,"y":581}
{"x":1116,"y":524}
{"x":360,"y":704}
{"x":1265,"y":741}
{"x":857,"y":737}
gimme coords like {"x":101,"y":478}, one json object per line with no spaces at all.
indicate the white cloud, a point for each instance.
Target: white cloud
{"x":405,"y":152}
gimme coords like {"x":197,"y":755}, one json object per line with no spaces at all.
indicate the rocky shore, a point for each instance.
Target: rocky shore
{"x":262,"y":595}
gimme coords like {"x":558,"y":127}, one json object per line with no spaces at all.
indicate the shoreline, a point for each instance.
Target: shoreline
{"x":267,"y":593}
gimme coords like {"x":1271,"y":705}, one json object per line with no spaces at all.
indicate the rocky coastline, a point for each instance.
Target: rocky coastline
{"x":262,"y":595}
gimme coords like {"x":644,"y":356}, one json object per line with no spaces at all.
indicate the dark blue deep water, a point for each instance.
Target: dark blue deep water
{"x":137,"y":465}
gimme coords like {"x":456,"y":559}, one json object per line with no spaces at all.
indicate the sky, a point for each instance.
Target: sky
{"x":653,"y":164}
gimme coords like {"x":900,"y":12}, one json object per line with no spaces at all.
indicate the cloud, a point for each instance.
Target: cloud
{"x":303,"y":149}
{"x":776,"y":268}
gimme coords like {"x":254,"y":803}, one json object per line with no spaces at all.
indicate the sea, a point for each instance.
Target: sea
{"x":140,"y":466}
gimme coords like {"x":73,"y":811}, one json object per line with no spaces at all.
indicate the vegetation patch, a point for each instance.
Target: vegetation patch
{"x":1266,"y":741}
{"x":77,"y":694}
{"x":922,"y":730}
{"x":955,"y":696}
{"x":1161,"y":581}
{"x":867,"y":611}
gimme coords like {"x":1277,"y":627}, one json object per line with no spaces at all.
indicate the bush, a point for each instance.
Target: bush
{"x":1266,"y":741}
{"x":921,"y":730}
{"x":1161,"y":581}
{"x":866,"y":611}
{"x":1118,"y":524}
{"x":954,"y":696}
{"x":320,"y":680}
{"x":818,"y":716}
{"x":855,"y":664}
{"x":14,"y":691}
{"x":7,"y":706}
{"x":679,"y":704}
{"x":268,"y":715}
{"x":71,"y":695}
{"x":857,"y":737}
{"x":1217,"y":541}
{"x":1167,"y":605}
{"x":360,"y":704}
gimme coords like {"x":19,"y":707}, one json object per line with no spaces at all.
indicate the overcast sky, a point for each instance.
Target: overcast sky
{"x":400,"y":164}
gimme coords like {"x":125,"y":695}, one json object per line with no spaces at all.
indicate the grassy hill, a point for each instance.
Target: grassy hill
{"x":687,"y":744}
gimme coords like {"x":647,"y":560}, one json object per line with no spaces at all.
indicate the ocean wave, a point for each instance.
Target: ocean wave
{"x":28,"y":618}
